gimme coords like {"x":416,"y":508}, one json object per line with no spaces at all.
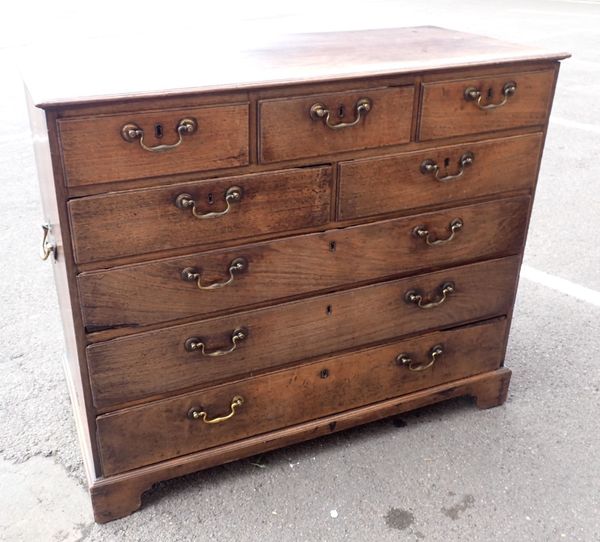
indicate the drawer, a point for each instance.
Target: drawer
{"x":205,"y":283}
{"x":158,"y":431}
{"x":96,"y":151}
{"x":485,"y":104}
{"x":175,"y":216}
{"x":290,"y":128}
{"x":174,"y":358}
{"x":399,"y":182}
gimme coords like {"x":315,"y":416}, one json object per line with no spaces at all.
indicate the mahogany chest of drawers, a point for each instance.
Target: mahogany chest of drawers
{"x":304,"y":237}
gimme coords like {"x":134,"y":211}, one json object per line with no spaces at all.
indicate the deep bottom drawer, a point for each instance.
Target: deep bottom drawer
{"x":164,"y":429}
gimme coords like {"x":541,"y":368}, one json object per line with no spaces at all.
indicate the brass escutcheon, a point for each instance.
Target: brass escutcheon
{"x":184,"y":201}
{"x":473,"y":94}
{"x":319,"y":111}
{"x":131,"y":132}
{"x":431,"y":166}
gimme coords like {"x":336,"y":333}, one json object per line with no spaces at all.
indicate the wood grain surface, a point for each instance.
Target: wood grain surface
{"x":286,"y":130}
{"x":147,"y":220}
{"x":131,"y":296}
{"x":445,"y":112}
{"x":142,"y":435}
{"x":156,"y":362}
{"x":260,"y":60}
{"x":394,"y":183}
{"x":95,"y":152}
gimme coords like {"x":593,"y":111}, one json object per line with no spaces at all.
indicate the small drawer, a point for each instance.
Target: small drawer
{"x":181,"y":425}
{"x":148,"y":144}
{"x":174,"y":358}
{"x":140,"y":221}
{"x":131,"y":296}
{"x":437,"y":176}
{"x":324,"y":124}
{"x":485,"y":104}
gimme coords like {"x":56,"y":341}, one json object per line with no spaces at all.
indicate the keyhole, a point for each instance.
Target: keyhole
{"x":324,"y":373}
{"x":446,"y":162}
{"x":158,"y":131}
{"x":210,"y":198}
{"x":329,"y":310}
{"x":332,"y":246}
{"x":341,"y":111}
{"x":490,"y":92}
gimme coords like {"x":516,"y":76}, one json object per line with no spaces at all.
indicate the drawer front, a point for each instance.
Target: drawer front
{"x":289,"y":131}
{"x":147,"y":220}
{"x":396,"y":183}
{"x":201,"y":284}
{"x":96,"y":150}
{"x":155,"y":362}
{"x":485,"y":104}
{"x":158,"y":431}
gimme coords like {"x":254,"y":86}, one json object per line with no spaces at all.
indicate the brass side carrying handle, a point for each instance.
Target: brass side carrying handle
{"x":415,"y":297}
{"x":407,"y":361}
{"x":132,"y":132}
{"x":196,"y":413}
{"x":319,"y":111}
{"x":192,"y":274}
{"x":423,"y":233}
{"x":186,"y":201}
{"x":48,"y":245}
{"x":431,"y":166}
{"x":193,"y":344}
{"x":473,"y":94}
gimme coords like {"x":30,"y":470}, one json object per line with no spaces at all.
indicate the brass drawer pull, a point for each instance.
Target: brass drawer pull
{"x":193,"y":344}
{"x":186,"y":201}
{"x":423,"y":233}
{"x":430,"y":166}
{"x":407,"y":361}
{"x":319,"y":111}
{"x":132,"y":132}
{"x":414,"y":296}
{"x":48,"y":245}
{"x":192,"y":274}
{"x":473,"y":94}
{"x":196,"y":413}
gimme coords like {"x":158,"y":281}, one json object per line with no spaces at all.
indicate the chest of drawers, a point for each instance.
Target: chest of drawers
{"x":305,"y":237}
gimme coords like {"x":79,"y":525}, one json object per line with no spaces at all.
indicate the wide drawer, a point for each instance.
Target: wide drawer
{"x":174,"y":358}
{"x":395,"y":183}
{"x":485,"y":104}
{"x":158,"y":431}
{"x":152,"y":219}
{"x":111,"y":147}
{"x":205,"y":283}
{"x":289,"y":128}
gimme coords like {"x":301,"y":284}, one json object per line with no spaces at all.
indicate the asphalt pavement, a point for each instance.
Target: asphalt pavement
{"x":526,"y":471}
